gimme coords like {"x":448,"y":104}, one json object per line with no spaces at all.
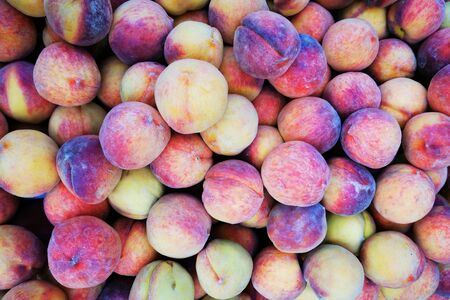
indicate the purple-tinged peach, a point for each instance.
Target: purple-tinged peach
{"x":306,"y":74}
{"x":138,"y":82}
{"x":36,"y":290}
{"x":352,"y":91}
{"x":414,"y":20}
{"x":289,"y":7}
{"x":224,"y":268}
{"x":439,"y":91}
{"x":432,"y":234}
{"x":136,"y":250}
{"x":313,"y":20}
{"x":441,"y":201}
{"x":238,"y":81}
{"x":33,"y":8}
{"x":380,"y":3}
{"x":118,"y":288}
{"x":311,"y":120}
{"x":112,"y":71}
{"x":384,"y":224}
{"x":179,"y":7}
{"x":184,"y":162}
{"x":162,"y":280}
{"x":436,"y":296}
{"x":4,"y":128}
{"x":260,"y":219}
{"x":226,"y":15}
{"x":334,"y":4}
{"x":438,"y":177}
{"x":294,"y":229}
{"x":178,"y":226}
{"x":49,"y":36}
{"x":288,"y":175}
{"x":83,"y":252}
{"x":132,"y":135}
{"x":321,"y":88}
{"x":267,"y":138}
{"x":28,"y":163}
{"x":232,"y":191}
{"x":351,"y":188}
{"x":334,"y":273}
{"x":21,"y":257}
{"x":66,"y":75}
{"x":133,"y":20}
{"x":374,"y":15}
{"x":60,"y":205}
{"x":371,"y":137}
{"x":426,"y":141}
{"x":135,"y":193}
{"x":82,"y":23}
{"x":370,"y":291}
{"x":244,"y":236}
{"x":17,"y":33}
{"x":266,"y":44}
{"x":191,"y":95}
{"x":434,"y":53}
{"x":268,"y":105}
{"x":275,"y":285}
{"x":195,"y":15}
{"x":236,"y":130}
{"x":391,"y":259}
{"x":8,"y":206}
{"x":195,"y":40}
{"x":339,"y":45}
{"x":444,"y":280}
{"x":19,"y":98}
{"x":85,"y":171}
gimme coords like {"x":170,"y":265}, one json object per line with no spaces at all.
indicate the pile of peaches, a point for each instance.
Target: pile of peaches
{"x":224,"y":149}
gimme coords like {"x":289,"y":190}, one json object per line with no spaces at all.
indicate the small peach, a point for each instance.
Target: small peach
{"x":438,"y":91}
{"x":374,"y":15}
{"x":313,"y":20}
{"x":195,"y":15}
{"x":244,"y":236}
{"x":112,"y":71}
{"x":260,"y":219}
{"x":268,"y":105}
{"x":289,"y":7}
{"x":267,"y":138}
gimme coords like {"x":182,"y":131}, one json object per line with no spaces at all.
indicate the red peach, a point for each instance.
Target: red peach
{"x":84,"y":294}
{"x":195,"y":15}
{"x":268,"y":105}
{"x":36,"y":290}
{"x":334,"y":4}
{"x":267,"y":138}
{"x":3,"y":126}
{"x":438,"y":177}
{"x":8,"y":206}
{"x":112,"y":71}
{"x":289,"y":7}
{"x":374,"y":15}
{"x":313,"y":20}
{"x":260,"y":219}
{"x":434,"y":53}
{"x":444,"y":280}
{"x":370,"y":291}
{"x":438,"y":91}
{"x":244,"y":236}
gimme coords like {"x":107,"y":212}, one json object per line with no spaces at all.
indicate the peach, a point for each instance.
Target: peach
{"x":403,"y":98}
{"x":260,"y":219}
{"x":370,"y":291}
{"x":272,"y":284}
{"x":414,"y":20}
{"x":84,"y":294}
{"x":195,"y":40}
{"x":85,"y":171}
{"x":238,"y":81}
{"x":117,"y":288}
{"x":352,"y":91}
{"x":444,"y":280}
{"x":132,"y":135}
{"x":295,"y":173}
{"x":49,"y":36}
{"x":242,"y":235}
{"x":198,"y":290}
{"x":432,"y":234}
{"x":268,"y":105}
{"x":391,"y":259}
{"x":136,"y":250}
{"x":3,"y":126}
{"x":266,"y":44}
{"x":339,"y":45}
{"x":351,"y":188}
{"x":426,"y":141}
{"x":289,"y":7}
{"x":267,"y":138}
{"x":307,"y":294}
{"x":8,"y":206}
{"x":226,"y":15}
{"x":232,"y":191}
{"x":334,"y":273}
{"x":17,"y":33}
{"x":83,"y":252}
{"x":313,"y":20}
{"x":34,"y":8}
{"x":236,"y":130}
{"x":438,"y":177}
{"x":191,"y":95}
{"x":334,"y":4}
{"x":184,"y":162}
{"x":306,"y":73}
{"x":19,"y":99}
{"x":195,"y":15}
{"x":60,"y":205}
{"x":82,"y":23}
{"x":22,"y":255}
{"x":135,"y":193}
{"x":162,"y":280}
{"x":68,"y":122}
{"x":138,"y":82}
{"x":311,"y":120}
{"x":297,"y":229}
{"x":129,"y":38}
{"x":66,"y":75}
{"x":434,"y":53}
{"x":371,"y":137}
{"x":36,"y":290}
{"x":380,"y":3}
{"x":112,"y":71}
{"x":27,"y":163}
{"x":224,"y":269}
{"x":349,"y":231}
{"x":438,"y":91}
{"x":179,"y":7}
{"x":384,"y":224}
{"x":422,"y":288}
{"x":178,"y":226}
{"x":374,"y":15}
{"x":394,"y":59}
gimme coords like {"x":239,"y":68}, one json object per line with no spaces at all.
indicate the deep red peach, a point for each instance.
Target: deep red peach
{"x":4,"y":128}
{"x":268,"y":105}
{"x":313,"y":20}
{"x":8,"y":206}
{"x":112,"y":71}
{"x":434,"y":53}
{"x":438,"y":91}
{"x":334,"y":4}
